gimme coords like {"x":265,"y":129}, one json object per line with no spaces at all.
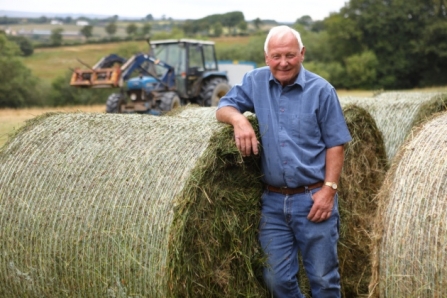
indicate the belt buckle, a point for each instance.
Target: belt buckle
{"x":283,"y":189}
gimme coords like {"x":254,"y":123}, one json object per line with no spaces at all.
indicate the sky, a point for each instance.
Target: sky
{"x":279,"y":10}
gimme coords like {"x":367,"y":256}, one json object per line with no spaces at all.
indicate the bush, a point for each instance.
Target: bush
{"x":332,"y":72}
{"x":25,"y":44}
{"x":361,"y":70}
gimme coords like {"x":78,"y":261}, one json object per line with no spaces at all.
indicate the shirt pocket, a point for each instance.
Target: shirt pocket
{"x":305,"y":127}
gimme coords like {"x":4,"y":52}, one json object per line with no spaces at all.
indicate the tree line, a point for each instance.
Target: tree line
{"x":368,"y":44}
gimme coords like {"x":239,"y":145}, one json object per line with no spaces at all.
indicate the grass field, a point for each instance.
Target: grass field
{"x":12,"y":119}
{"x":50,"y":63}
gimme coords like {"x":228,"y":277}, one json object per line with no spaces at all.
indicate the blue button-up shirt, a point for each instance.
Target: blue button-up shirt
{"x":297,"y":123}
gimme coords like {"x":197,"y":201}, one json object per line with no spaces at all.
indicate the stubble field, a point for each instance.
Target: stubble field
{"x":12,"y":119}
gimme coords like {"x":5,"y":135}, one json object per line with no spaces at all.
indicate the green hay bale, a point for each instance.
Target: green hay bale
{"x":363,"y":173}
{"x":410,"y":231}
{"x":101,"y":205}
{"x":397,"y":112}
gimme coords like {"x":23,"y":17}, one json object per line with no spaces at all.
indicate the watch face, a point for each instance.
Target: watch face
{"x":332,"y":185}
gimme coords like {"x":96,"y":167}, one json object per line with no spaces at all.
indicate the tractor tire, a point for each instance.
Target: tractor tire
{"x":113,"y":104}
{"x":169,"y":101}
{"x":213,"y":90}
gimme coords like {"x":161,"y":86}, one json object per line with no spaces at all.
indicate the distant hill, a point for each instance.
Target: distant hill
{"x":27,"y":14}
{"x":34,"y":15}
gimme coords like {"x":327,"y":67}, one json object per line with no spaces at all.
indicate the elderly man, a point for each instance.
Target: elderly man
{"x":303,"y":131}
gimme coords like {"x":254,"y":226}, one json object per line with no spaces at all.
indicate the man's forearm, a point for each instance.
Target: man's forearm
{"x":334,"y":163}
{"x":228,"y":115}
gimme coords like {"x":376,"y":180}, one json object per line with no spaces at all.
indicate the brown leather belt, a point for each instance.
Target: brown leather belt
{"x":291,"y":191}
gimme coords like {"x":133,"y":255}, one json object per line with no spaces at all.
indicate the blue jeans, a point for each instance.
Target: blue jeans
{"x":284,"y":229}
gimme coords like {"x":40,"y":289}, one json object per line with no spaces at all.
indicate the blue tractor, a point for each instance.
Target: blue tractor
{"x":173,"y":73}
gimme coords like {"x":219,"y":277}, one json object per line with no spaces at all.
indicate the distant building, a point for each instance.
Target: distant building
{"x":34,"y":32}
{"x":9,"y":31}
{"x":56,"y":22}
{"x":82,"y":23}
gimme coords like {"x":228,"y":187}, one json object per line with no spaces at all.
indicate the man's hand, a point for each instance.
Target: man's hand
{"x":323,"y":205}
{"x":245,"y":138}
{"x":244,"y":134}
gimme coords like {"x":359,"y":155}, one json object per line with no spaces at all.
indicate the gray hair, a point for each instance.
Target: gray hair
{"x":281,"y":31}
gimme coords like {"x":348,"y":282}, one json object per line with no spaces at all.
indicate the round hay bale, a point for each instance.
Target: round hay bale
{"x":363,"y":173}
{"x":410,"y":233}
{"x":104,"y":205}
{"x":397,"y":112}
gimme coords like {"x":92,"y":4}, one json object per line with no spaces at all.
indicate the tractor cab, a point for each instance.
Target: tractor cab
{"x":194,"y":63}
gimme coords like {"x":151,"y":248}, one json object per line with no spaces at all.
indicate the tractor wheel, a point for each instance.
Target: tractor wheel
{"x":213,"y":90}
{"x":169,"y":101}
{"x":114,"y":102}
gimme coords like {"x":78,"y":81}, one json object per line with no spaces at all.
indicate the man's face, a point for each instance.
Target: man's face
{"x":284,"y":58}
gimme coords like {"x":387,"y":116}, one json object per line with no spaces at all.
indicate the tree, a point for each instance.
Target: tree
{"x":146,"y":29}
{"x":433,"y":47}
{"x":131,"y":29}
{"x":42,"y":20}
{"x":242,"y":26}
{"x":218,"y":29}
{"x":6,"y":21}
{"x":149,"y":18}
{"x":203,"y":26}
{"x":87,"y":31}
{"x":343,"y":36}
{"x":232,"y":19}
{"x":56,"y":36}
{"x":26,"y":46}
{"x":111,"y":28}
{"x":398,"y":33}
{"x":257,"y":23}
{"x":17,"y":85}
{"x":8,"y":49}
{"x":305,"y":21}
{"x":361,"y":70}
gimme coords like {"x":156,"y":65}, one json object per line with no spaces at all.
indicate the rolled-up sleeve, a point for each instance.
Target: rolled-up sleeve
{"x":238,"y":97}
{"x":334,"y":130}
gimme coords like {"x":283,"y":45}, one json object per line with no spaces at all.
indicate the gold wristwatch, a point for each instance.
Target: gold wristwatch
{"x":332,"y":185}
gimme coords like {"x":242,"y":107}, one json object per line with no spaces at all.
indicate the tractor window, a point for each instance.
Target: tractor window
{"x":195,"y":57}
{"x":172,"y":54}
{"x":210,"y":60}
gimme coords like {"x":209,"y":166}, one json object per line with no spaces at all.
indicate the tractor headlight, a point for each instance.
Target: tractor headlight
{"x":133,"y":96}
